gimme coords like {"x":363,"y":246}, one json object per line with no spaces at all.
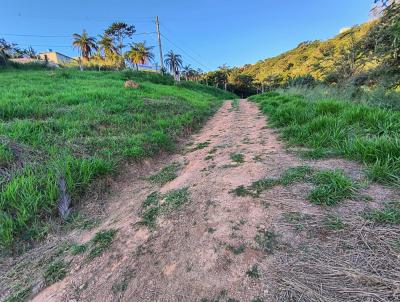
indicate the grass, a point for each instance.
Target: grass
{"x":6,"y":154}
{"x":20,"y":293}
{"x":331,"y":186}
{"x":359,"y":132}
{"x":334,"y":222}
{"x":166,"y":174}
{"x":201,"y":145}
{"x":267,"y":241}
{"x":122,"y":285}
{"x":253,"y":272}
{"x":237,"y":157}
{"x":234,"y":105}
{"x":77,"y":249}
{"x":80,"y":126}
{"x":291,"y":175}
{"x":100,"y":243}
{"x":55,"y":271}
{"x":390,"y":214}
{"x":237,"y":249}
{"x":297,"y":219}
{"x":152,"y":207}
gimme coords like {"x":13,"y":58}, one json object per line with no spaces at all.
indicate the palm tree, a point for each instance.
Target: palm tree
{"x":31,"y":53}
{"x":188,"y":72}
{"x":139,"y":54}
{"x":85,"y":43}
{"x":174,"y":63}
{"x":106,"y":45}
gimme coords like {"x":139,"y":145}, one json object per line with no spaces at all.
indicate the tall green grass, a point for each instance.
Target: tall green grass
{"x":77,"y":126}
{"x":360,"y":132}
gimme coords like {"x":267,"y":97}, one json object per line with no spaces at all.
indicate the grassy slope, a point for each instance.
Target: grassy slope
{"x":76,"y":126}
{"x":367,"y":134}
{"x":304,"y":57}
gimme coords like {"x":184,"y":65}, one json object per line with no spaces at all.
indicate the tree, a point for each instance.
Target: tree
{"x":351,"y":60}
{"x":383,"y":40}
{"x":120,"y":31}
{"x":106,"y":45}
{"x":140,"y":54}
{"x":217,"y":78}
{"x":8,"y":49}
{"x":85,"y":44}
{"x":174,"y":63}
{"x":187,"y":72}
{"x":3,"y":58}
{"x":31,"y":53}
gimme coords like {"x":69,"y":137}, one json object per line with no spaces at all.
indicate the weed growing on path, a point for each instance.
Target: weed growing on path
{"x":390,"y":214}
{"x":267,"y":241}
{"x":152,"y":206}
{"x":334,"y":222}
{"x":100,"y":243}
{"x":201,"y":145}
{"x":253,"y":272}
{"x":332,"y":186}
{"x":166,"y":174}
{"x":237,"y":157}
{"x":55,"y":271}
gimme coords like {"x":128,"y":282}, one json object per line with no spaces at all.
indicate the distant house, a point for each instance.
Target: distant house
{"x":55,"y":57}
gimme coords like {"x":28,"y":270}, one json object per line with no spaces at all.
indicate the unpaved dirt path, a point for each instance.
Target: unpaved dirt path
{"x":201,"y":252}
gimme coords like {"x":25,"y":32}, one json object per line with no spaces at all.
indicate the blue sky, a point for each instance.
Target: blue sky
{"x":207,"y":33}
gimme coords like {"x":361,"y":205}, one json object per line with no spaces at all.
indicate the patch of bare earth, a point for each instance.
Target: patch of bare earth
{"x":223,"y":247}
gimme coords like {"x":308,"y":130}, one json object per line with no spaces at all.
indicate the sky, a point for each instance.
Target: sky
{"x":207,"y":33}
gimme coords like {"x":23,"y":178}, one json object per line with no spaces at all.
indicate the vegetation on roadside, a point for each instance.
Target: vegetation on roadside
{"x":355,"y":131}
{"x":331,"y":186}
{"x":389,"y":214}
{"x":66,"y":125}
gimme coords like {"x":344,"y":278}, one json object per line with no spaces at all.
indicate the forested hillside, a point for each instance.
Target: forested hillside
{"x":316,"y":58}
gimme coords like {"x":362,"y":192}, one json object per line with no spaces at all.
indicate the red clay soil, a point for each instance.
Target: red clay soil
{"x":204,"y":250}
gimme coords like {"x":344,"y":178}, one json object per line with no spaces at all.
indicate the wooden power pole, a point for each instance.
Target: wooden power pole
{"x":159,"y":43}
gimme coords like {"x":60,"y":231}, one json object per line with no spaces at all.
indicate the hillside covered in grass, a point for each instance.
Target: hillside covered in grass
{"x":70,"y":127}
{"x":314,"y":58}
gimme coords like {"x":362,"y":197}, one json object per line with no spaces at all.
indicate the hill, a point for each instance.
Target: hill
{"x":62,"y":129}
{"x":310,"y":57}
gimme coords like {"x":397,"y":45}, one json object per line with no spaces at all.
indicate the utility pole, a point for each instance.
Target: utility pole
{"x":159,"y":43}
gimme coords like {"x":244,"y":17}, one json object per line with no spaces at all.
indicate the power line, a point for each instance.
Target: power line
{"x":63,"y":36}
{"x":170,"y":31}
{"x":184,"y":51}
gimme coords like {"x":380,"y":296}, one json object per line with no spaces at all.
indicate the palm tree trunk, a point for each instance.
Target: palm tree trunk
{"x":137,"y":67}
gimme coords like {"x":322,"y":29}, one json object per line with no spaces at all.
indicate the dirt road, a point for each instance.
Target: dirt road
{"x":207,"y":250}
